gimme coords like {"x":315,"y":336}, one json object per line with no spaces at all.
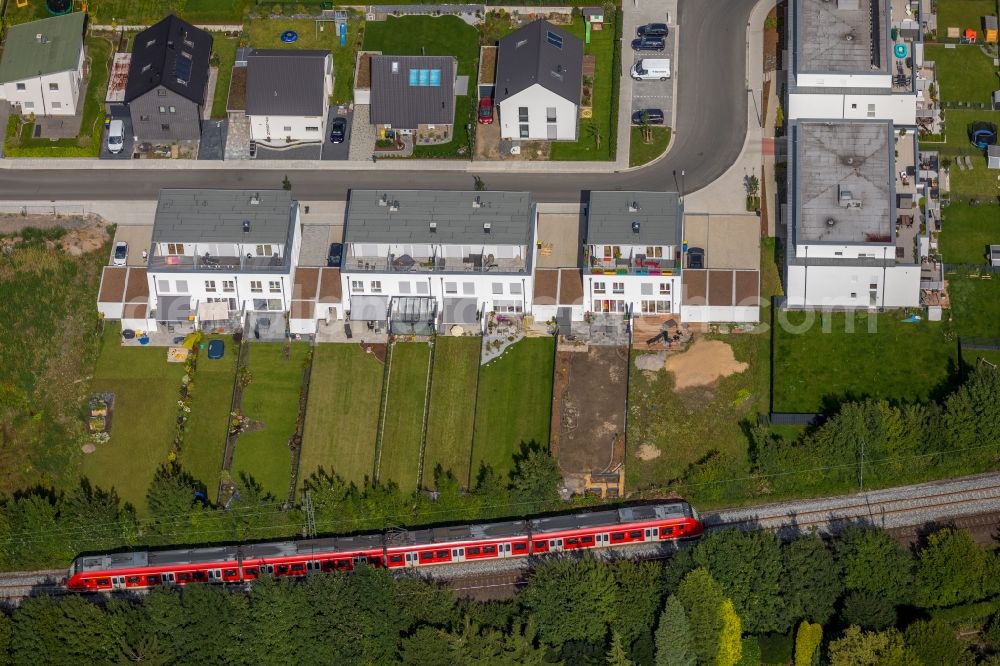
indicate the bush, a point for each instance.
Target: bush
{"x":869,"y":611}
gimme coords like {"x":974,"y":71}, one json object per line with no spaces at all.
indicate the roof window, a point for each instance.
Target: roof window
{"x":554,"y":39}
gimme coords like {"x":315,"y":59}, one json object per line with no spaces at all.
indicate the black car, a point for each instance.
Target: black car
{"x":335,"y":255}
{"x":696,"y":257}
{"x":648,"y":44}
{"x":653,"y":117}
{"x":652,"y":30}
{"x":338,"y":130}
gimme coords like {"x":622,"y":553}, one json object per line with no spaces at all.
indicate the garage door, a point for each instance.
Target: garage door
{"x":369,"y":308}
{"x":459,"y":311}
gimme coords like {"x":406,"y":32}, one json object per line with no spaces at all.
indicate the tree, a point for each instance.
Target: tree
{"x":673,"y":636}
{"x":807,"y":642}
{"x":536,"y":477}
{"x":953,"y":569}
{"x":427,"y":646}
{"x":702,"y":599}
{"x":170,"y":498}
{"x":616,"y":655}
{"x":639,"y":587}
{"x":868,"y":610}
{"x":874,"y":562}
{"x":595,"y":131}
{"x":644,"y":128}
{"x":812,"y":581}
{"x":857,"y":648}
{"x":730,"y":643}
{"x":478,"y":183}
{"x":86,"y":505}
{"x":285,"y":183}
{"x":571,"y":600}
{"x":934,"y":642}
{"x":748,"y":567}
{"x":68,"y":631}
{"x":6,"y":631}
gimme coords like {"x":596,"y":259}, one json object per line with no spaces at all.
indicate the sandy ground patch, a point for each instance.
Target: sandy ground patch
{"x":84,"y":233}
{"x":702,"y":364}
{"x":650,"y":362}
{"x":647,"y":452}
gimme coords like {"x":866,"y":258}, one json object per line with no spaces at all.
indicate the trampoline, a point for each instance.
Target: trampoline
{"x":900,"y":50}
{"x":289,"y":36}
{"x":216,"y":349}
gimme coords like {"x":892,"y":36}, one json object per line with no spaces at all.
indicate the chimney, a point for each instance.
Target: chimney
{"x":255,"y":200}
{"x":434,"y":227}
{"x":486,"y":227}
{"x":246,"y":226}
{"x":635,"y":227}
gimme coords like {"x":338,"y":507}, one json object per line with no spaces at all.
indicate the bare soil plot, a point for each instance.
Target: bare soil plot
{"x":588,"y":409}
{"x":704,"y":363}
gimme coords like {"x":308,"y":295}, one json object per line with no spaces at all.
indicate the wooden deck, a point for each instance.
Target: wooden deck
{"x":647,"y":327}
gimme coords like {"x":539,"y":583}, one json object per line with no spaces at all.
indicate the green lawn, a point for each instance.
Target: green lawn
{"x":429,"y":35}
{"x":964,"y":73}
{"x":980,"y":181}
{"x":272,"y":398}
{"x":967,"y":231}
{"x":224,"y":49}
{"x":211,"y":397}
{"x":451,"y":422}
{"x":403,"y":424}
{"x":88,"y":142}
{"x":641,"y":152}
{"x":602,"y":46}
{"x":342,"y":414}
{"x":143,"y":418}
{"x":962,"y":14}
{"x":514,"y":404}
{"x":975,"y":305}
{"x":816,"y":370}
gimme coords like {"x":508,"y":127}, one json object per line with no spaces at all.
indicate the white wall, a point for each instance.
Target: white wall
{"x":901,"y":109}
{"x":538,"y":99}
{"x":37,"y":98}
{"x":632,"y":291}
{"x":719,"y":314}
{"x":271,"y":130}
{"x":832,"y":286}
{"x":842,"y":80}
{"x":543,"y":313}
{"x":479,"y":286}
{"x":830,"y":251}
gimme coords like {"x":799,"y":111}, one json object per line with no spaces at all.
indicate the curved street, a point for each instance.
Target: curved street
{"x":708,"y":135}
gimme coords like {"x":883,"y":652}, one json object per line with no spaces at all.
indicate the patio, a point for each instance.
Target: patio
{"x":353,"y":332}
{"x":599,"y":329}
{"x":267,"y":325}
{"x":660,"y":333}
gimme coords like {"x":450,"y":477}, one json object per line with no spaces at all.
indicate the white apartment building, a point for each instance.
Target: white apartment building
{"x":854,"y":59}
{"x":632,"y":253}
{"x":853,"y":220}
{"x":42,"y":65}
{"x":422,"y":258}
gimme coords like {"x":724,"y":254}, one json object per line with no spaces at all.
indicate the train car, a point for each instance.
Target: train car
{"x":402,"y":549}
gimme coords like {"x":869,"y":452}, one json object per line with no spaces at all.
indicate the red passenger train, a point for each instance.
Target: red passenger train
{"x":667,"y":521}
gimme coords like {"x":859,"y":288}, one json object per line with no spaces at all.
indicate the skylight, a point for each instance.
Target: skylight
{"x":554,"y":39}
{"x":425,"y":78}
{"x":183,"y":66}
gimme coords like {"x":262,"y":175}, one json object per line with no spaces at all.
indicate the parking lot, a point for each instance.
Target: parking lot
{"x":654,"y":94}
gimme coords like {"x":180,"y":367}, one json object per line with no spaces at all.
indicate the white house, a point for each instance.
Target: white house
{"x":538,"y":83}
{"x":216,"y":254}
{"x":420,"y":258}
{"x":853,"y":224}
{"x":853,"y":59}
{"x":287,"y":96}
{"x":721,"y":274}
{"x":633,"y":253}
{"x":42,"y":65}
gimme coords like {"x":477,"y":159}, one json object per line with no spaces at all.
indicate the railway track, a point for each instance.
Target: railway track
{"x":18,"y":585}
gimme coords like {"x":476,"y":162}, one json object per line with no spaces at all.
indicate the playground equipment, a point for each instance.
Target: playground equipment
{"x":900,"y":50}
{"x":57,"y":7}
{"x":289,"y":36}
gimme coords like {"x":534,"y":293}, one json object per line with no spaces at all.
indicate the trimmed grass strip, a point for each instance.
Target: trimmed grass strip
{"x":211,"y":397}
{"x":451,"y":424}
{"x":402,"y":431}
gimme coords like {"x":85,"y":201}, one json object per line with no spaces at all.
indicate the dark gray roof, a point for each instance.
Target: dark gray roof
{"x":380,"y":216}
{"x":403,"y":106}
{"x":286,"y":83}
{"x":528,"y":56}
{"x":172,"y":53}
{"x":611,"y":214}
{"x":845,"y":36}
{"x":193,"y":216}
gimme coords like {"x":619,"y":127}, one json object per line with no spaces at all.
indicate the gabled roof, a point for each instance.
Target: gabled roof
{"x":407,"y":91}
{"x":540,"y":53}
{"x":42,"y":47}
{"x":172,"y":53}
{"x":286,"y":83}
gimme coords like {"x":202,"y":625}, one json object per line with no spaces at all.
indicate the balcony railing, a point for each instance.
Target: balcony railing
{"x":634,"y":266}
{"x":474,"y":263}
{"x":212,"y":263}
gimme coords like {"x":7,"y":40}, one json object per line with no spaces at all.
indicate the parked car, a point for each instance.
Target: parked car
{"x":335,"y":255}
{"x":485,"y":114}
{"x":696,"y":257}
{"x":652,"y":30}
{"x":653,"y":117}
{"x":648,"y":44}
{"x":649,"y":69}
{"x":116,"y":136}
{"x":121,"y":254}
{"x":338,"y":130}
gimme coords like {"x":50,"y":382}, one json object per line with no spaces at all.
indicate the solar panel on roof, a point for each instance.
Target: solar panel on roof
{"x":183,"y":67}
{"x":554,"y":39}
{"x":435,"y":77}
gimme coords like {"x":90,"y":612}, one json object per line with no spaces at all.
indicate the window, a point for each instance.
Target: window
{"x":646,"y":289}
{"x":873,"y":286}
{"x":664,"y":289}
{"x":265,"y":250}
{"x":550,"y":114}
{"x":163,"y":285}
{"x":422,"y":288}
{"x":162,"y":92}
{"x":173,"y":109}
{"x":274,"y":286}
{"x":274,"y":304}
{"x":376,"y":286}
{"x":522,"y":114}
{"x":210,"y":286}
{"x":163,"y":109}
{"x":228,"y":286}
{"x":164,"y":127}
{"x":143,"y":117}
{"x":655,"y":307}
{"x":617,"y":287}
{"x":520,"y":547}
{"x":854,"y":294}
{"x":451,"y":287}
{"x":175,"y":248}
{"x":497,"y":288}
{"x":256,"y":287}
{"x":475,"y":550}
{"x":524,"y":131}
{"x":287,"y":128}
{"x":654,"y":251}
{"x":554,"y":39}
{"x":515,"y":288}
{"x":56,"y":105}
{"x":312,"y":129}
{"x":358,"y":286}
{"x":605,"y":305}
{"x":404,"y":287}
{"x":599,"y":288}
{"x":182,"y":286}
{"x":469,"y":288}
{"x":29,"y":105}
{"x":53,"y":86}
{"x":871,"y":110}
{"x":21,"y":86}
{"x":854,"y":106}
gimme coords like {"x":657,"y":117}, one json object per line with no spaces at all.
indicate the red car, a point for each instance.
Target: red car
{"x":486,"y":111}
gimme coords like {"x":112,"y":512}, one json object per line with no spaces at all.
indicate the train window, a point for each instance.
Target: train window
{"x":199,"y":575}
{"x":183,"y":577}
{"x":666,"y":531}
{"x":231,"y":572}
{"x":395,"y":558}
{"x":251,"y":571}
{"x":282,"y":568}
{"x":327,"y":565}
{"x":489,"y":550}
{"x":375,"y":561}
{"x":103,"y":581}
{"x":132,"y":580}
{"x":298,"y":567}
{"x":617,"y":536}
{"x":441,"y":553}
{"x":540,"y":544}
{"x":520,"y":547}
{"x":572,"y":542}
{"x":426,"y":556}
{"x":587,"y":539}
{"x":152,"y":580}
{"x":635,"y":534}
{"x":474,"y":550}
{"x":454,"y":552}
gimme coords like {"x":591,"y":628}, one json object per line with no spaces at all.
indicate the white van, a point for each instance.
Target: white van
{"x":116,"y":136}
{"x":648,"y":69}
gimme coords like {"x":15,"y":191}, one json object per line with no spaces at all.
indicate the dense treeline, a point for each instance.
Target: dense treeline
{"x":733,"y":598}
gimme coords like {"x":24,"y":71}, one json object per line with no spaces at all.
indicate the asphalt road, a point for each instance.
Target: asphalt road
{"x":709,"y":133}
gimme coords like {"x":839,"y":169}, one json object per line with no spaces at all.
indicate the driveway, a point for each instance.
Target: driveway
{"x":213,"y":139}
{"x":119,"y":112}
{"x":338,"y":151}
{"x":310,"y":151}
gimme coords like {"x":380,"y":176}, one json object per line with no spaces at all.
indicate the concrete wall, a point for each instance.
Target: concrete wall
{"x":833,"y":286}
{"x":148,"y":120}
{"x":278,"y":131}
{"x":901,"y":109}
{"x":38,"y":97}
{"x":721,"y":314}
{"x":538,"y":99}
